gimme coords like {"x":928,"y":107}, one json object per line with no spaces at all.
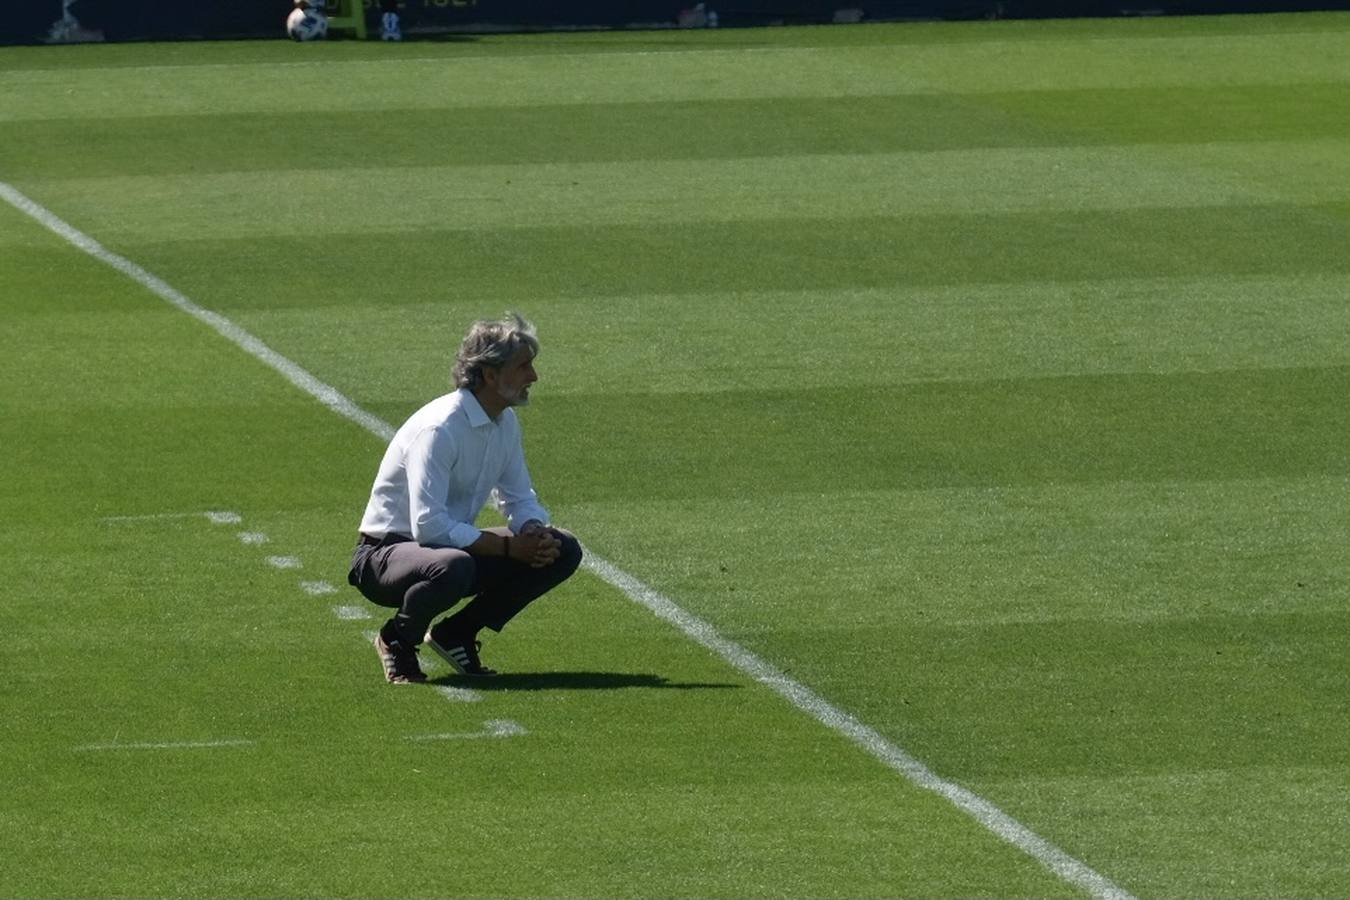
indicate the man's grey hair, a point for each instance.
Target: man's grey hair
{"x":491,"y":344}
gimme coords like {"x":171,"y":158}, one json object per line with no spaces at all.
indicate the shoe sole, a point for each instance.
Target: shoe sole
{"x":454,"y":663}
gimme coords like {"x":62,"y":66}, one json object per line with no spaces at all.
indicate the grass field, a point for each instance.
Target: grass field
{"x":988,"y":380}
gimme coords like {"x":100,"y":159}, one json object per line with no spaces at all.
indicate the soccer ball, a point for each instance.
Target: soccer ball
{"x":306,"y":24}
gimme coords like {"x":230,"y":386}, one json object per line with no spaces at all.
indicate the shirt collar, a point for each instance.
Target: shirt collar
{"x":478,"y":417}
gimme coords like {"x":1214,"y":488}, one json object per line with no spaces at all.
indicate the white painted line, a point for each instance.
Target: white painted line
{"x":353,"y":613}
{"x":283,"y":562}
{"x":156,"y":517}
{"x":991,"y":817}
{"x":252,"y":537}
{"x":451,"y":736}
{"x":493,"y":728}
{"x":114,"y":520}
{"x":223,"y":517}
{"x":293,"y":373}
{"x":458,"y":694}
{"x":149,"y":517}
{"x":504,"y":728}
{"x":808,"y":701}
{"x":169,"y":745}
{"x":318,"y":588}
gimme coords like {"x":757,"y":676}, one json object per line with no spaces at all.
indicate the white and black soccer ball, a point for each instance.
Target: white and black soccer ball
{"x":306,"y":24}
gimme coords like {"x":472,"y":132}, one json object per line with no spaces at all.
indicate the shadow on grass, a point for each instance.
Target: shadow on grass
{"x":573,"y":681}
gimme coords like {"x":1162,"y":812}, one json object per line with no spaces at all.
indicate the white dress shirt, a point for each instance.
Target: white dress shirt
{"x":440,"y":468}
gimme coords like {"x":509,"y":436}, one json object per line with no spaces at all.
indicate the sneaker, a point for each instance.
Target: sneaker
{"x":462,"y":655}
{"x":400,"y":663}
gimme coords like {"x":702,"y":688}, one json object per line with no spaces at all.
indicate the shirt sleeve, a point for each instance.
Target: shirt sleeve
{"x":430,"y":457}
{"x":516,"y":499}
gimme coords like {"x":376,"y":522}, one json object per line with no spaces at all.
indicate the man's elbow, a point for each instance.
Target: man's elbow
{"x":428,"y":530}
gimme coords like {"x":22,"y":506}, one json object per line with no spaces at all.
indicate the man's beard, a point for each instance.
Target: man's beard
{"x":518,"y":397}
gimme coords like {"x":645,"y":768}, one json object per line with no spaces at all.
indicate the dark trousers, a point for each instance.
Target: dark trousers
{"x":423,"y":582}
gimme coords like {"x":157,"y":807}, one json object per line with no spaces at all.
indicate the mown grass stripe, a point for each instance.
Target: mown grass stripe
{"x":297,"y":376}
{"x":1082,"y":252}
{"x":987,"y":814}
{"x":949,"y":185}
{"x":1185,"y":56}
{"x":687,"y":130}
{"x":1068,"y":868}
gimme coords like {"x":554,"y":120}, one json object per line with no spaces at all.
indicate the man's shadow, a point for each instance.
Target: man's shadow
{"x":574,"y":681}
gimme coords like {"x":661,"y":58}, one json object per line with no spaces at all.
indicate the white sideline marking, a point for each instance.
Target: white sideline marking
{"x":252,"y":537}
{"x":148,"y":517}
{"x":283,"y":562}
{"x":987,"y":814}
{"x":317,"y":588}
{"x":223,"y":517}
{"x":169,"y":745}
{"x":458,"y":694}
{"x":493,"y":728}
{"x":807,"y":700}
{"x":217,"y":517}
{"x":297,"y":376}
{"x":352,"y":614}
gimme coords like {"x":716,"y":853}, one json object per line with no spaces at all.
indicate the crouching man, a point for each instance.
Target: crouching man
{"x":419,"y":552}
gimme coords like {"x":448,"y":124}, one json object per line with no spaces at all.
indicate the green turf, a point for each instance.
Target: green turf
{"x":986,"y":378}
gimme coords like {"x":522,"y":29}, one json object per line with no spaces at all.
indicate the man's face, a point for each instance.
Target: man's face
{"x":515,"y":377}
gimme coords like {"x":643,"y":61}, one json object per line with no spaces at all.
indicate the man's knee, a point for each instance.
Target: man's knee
{"x":569,"y":554}
{"x":451,"y":570}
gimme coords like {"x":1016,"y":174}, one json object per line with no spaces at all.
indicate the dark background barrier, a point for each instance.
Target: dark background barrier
{"x":38,"y":21}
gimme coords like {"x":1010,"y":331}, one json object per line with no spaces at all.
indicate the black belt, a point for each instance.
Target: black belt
{"x":368,"y":540}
